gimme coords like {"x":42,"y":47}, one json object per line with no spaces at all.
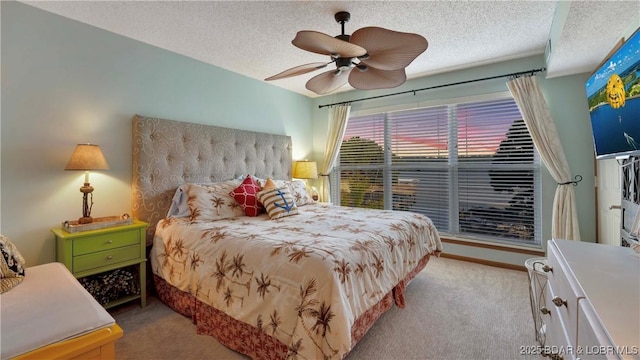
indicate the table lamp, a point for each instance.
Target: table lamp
{"x":87,"y":157}
{"x":306,"y":170}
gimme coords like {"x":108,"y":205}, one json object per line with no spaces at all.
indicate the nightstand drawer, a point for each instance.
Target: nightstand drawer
{"x":105,"y":242}
{"x":105,"y":258}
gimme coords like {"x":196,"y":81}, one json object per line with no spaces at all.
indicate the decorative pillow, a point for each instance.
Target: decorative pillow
{"x":210,"y":202}
{"x":11,"y":265}
{"x":269,"y":184}
{"x":299,"y":191}
{"x":278,"y":202}
{"x":245,"y":195}
{"x":297,"y":188}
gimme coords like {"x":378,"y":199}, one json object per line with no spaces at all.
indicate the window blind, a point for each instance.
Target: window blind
{"x":470,"y":167}
{"x":362,"y":162}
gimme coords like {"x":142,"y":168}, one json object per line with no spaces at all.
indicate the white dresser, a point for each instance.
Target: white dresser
{"x":592,"y":304}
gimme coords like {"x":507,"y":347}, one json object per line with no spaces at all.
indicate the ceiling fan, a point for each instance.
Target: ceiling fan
{"x":371,"y":58}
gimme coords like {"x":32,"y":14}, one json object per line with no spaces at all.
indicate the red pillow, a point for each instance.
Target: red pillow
{"x":245,"y":195}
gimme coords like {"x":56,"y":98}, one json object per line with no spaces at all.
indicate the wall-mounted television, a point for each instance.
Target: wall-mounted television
{"x":613,"y":93}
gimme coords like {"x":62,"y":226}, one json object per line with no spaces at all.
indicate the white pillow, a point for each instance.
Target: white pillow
{"x":297,"y":188}
{"x":210,"y":202}
{"x":179,"y":206}
{"x":299,"y":192}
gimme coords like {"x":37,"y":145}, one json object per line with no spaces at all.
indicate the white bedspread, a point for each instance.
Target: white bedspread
{"x":50,"y":305}
{"x":303,"y":279}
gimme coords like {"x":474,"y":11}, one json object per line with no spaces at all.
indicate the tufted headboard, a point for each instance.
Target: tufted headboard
{"x":169,"y":153}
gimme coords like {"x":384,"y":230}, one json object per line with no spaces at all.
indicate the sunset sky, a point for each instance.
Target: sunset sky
{"x":410,"y":138}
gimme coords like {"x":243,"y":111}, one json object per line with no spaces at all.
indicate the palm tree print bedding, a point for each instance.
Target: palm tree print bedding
{"x":302,"y":279}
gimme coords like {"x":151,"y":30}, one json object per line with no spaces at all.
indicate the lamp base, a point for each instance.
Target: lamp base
{"x":86,"y":190}
{"x":85,"y":220}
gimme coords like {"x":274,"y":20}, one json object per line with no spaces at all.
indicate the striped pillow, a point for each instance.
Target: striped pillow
{"x":278,"y":202}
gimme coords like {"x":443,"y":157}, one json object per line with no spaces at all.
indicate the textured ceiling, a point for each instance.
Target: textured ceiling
{"x":253,"y":38}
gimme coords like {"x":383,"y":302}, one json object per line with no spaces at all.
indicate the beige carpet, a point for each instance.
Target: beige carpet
{"x":455,"y":310}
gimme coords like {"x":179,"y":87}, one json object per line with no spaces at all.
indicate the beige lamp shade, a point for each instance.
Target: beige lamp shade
{"x":87,"y":157}
{"x":305,"y":170}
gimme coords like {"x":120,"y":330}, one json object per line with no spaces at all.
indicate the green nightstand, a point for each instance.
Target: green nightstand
{"x":96,"y":251}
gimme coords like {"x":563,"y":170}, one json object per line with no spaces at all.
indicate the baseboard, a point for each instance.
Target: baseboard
{"x":508,"y":248}
{"x":484,"y":262}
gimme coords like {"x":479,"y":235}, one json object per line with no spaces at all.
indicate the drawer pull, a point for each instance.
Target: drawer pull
{"x":545,"y":311}
{"x":109,"y":257}
{"x":547,"y":268}
{"x":557,"y":301}
{"x":552,"y":356}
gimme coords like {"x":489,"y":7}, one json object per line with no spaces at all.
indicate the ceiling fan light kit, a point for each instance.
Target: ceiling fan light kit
{"x":380,"y":56}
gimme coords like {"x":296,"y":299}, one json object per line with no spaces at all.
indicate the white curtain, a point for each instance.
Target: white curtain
{"x":337,"y":126}
{"x":527,"y":94}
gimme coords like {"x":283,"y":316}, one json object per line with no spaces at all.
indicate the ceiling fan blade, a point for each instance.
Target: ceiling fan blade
{"x":388,"y":49}
{"x":328,"y":81}
{"x":372,"y":78}
{"x":298,"y":70}
{"x":324,"y":44}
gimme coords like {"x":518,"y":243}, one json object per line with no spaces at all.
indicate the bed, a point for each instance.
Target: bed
{"x":51,"y":316}
{"x":308,"y":285}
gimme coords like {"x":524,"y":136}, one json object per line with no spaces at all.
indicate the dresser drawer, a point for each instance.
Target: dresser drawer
{"x":556,"y":337}
{"x":593,"y":341}
{"x":564,"y":294}
{"x":105,"y":258}
{"x":105,"y":242}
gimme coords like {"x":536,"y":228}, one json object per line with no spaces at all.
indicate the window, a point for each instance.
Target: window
{"x":471,"y":167}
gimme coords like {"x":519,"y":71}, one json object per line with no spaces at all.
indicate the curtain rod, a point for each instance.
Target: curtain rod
{"x":530,"y":72}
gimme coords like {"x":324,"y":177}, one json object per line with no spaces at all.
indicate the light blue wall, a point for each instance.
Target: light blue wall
{"x":64,"y":82}
{"x":568,"y":105}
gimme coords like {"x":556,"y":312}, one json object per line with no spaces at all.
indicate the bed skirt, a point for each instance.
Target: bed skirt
{"x":254,"y":342}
